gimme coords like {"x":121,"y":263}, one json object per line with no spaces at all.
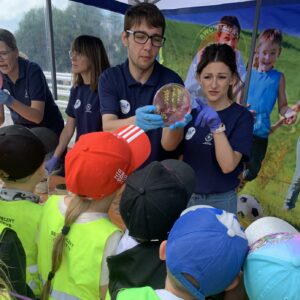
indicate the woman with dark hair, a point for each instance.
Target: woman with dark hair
{"x":89,"y":60}
{"x":219,"y":137}
{"x":25,"y":90}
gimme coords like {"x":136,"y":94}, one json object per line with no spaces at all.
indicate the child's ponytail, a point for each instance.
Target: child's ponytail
{"x":76,"y":207}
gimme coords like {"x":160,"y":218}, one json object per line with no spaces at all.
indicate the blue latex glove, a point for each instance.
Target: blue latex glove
{"x":147,"y":119}
{"x":52,"y":164}
{"x":5,"y":98}
{"x":187,"y":119}
{"x":207,"y":116}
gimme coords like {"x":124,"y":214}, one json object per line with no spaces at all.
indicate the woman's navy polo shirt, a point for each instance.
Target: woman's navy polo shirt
{"x":199,"y":149}
{"x":120,"y":94}
{"x":32,"y":85}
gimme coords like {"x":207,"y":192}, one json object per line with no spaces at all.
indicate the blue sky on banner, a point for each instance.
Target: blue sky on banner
{"x":283,"y":14}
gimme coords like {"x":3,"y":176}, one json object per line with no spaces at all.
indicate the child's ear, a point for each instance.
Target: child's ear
{"x":162,"y":250}
{"x":234,"y":284}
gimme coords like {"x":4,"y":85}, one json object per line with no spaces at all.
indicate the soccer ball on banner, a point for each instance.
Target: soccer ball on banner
{"x":248,"y":209}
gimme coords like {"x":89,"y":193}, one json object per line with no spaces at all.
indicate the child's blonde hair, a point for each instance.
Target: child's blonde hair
{"x":272,"y":34}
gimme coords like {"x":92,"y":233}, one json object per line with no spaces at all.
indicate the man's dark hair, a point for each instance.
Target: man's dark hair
{"x":147,"y":12}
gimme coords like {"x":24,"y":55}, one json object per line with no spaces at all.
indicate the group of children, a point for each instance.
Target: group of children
{"x":168,"y":251}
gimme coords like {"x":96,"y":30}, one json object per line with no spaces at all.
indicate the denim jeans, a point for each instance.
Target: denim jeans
{"x":225,"y":201}
{"x":294,"y":188}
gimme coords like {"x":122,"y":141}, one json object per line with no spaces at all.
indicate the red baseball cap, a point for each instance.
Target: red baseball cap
{"x":100,"y":162}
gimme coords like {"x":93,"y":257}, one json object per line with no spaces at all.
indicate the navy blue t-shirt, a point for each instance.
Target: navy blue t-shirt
{"x":199,"y":149}
{"x":120,"y":94}
{"x":84,"y":106}
{"x":32,"y":85}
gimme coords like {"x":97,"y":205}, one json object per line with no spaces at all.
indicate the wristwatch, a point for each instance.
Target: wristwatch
{"x":220,"y":129}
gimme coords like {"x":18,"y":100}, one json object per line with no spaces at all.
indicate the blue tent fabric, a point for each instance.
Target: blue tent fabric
{"x":283,"y":14}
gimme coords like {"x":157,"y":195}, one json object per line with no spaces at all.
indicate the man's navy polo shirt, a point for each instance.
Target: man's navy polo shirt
{"x":120,"y":94}
{"x":32,"y":85}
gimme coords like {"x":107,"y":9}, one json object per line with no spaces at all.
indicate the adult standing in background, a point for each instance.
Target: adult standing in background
{"x":89,"y":60}
{"x":25,"y":90}
{"x":126,"y":91}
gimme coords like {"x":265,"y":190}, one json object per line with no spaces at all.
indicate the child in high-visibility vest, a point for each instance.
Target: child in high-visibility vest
{"x":22,"y":153}
{"x":76,"y":234}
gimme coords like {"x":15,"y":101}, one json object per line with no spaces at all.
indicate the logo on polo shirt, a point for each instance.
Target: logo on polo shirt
{"x":190,"y":133}
{"x":88,"y":108}
{"x":77,"y":104}
{"x":125,"y":106}
{"x":208,"y":139}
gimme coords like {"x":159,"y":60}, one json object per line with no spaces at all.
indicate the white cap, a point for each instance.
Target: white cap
{"x":265,"y":226}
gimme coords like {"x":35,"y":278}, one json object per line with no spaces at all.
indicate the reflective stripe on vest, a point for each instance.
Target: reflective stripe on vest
{"x":62,"y":296}
{"x":23,"y":217}
{"x":79,"y":273}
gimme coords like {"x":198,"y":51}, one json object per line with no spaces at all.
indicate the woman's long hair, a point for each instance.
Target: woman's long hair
{"x":93,"y":48}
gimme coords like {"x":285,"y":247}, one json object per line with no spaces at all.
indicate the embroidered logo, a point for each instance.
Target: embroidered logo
{"x":125,"y":106}
{"x":208,"y":139}
{"x":77,"y":104}
{"x":120,"y":176}
{"x":190,"y":133}
{"x":88,"y":108}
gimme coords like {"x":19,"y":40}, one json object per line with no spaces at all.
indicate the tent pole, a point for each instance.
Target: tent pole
{"x":252,"y":50}
{"x":50,"y":39}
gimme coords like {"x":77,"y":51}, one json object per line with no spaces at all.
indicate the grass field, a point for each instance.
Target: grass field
{"x":183,"y":40}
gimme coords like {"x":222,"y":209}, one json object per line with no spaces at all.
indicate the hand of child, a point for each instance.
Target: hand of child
{"x":207,"y":116}
{"x":290,"y":117}
{"x":187,"y":119}
{"x":5,"y":98}
{"x":147,"y":119}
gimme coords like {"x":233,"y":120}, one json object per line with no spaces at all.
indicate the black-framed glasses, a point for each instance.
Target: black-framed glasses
{"x":142,"y":37}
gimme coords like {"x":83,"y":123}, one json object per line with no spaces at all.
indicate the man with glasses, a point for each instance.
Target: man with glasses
{"x":127,"y":91}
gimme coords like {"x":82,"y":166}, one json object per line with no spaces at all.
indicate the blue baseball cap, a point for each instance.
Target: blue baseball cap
{"x":208,"y":245}
{"x":272,"y":267}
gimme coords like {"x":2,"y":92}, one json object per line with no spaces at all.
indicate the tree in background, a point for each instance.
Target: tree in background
{"x":75,"y":20}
